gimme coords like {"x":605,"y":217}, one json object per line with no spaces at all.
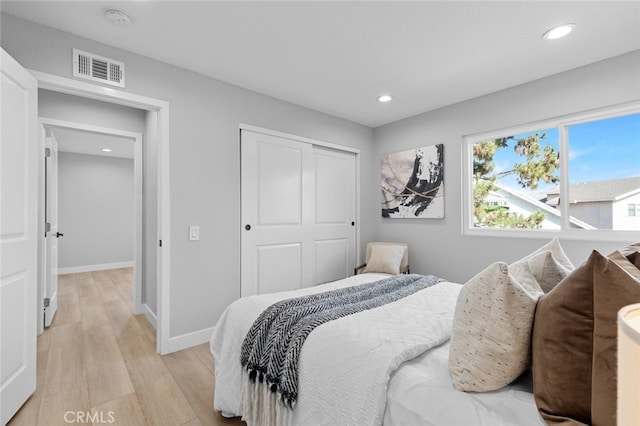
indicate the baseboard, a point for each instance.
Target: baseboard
{"x":91,"y":268}
{"x":190,"y":339}
{"x":148,"y":313}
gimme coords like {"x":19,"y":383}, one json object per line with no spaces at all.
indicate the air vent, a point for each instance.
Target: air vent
{"x":98,"y":68}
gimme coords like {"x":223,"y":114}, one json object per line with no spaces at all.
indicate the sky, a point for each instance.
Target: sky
{"x":599,"y":150}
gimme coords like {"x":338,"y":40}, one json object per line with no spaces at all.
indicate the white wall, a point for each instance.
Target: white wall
{"x":65,"y":107}
{"x":205,"y":160}
{"x":96,"y":210}
{"x":438,"y":246}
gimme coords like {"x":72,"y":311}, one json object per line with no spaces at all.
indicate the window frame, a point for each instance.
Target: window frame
{"x":562,"y":124}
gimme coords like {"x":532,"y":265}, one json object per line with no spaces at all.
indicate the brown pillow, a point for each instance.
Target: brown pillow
{"x":575,"y":336}
{"x":632,"y":253}
{"x":562,"y":347}
{"x":631,"y":249}
{"x":616,"y":283}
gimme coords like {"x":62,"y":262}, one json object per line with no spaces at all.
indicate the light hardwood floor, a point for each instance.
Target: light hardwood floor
{"x":97,"y":364}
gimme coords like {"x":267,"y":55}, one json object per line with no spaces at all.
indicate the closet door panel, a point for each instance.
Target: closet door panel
{"x":332,"y":259}
{"x":334,"y":214}
{"x":278,"y":267}
{"x":275,"y":248}
{"x":298,"y":213}
{"x":279,"y":180}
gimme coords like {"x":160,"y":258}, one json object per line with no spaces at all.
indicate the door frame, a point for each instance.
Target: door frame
{"x":46,"y":239}
{"x":161,"y":109}
{"x":51,"y":123}
{"x":324,"y":144}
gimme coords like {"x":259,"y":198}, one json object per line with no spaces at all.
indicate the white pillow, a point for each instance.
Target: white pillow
{"x":558,"y":254}
{"x":547,"y":270}
{"x":491,"y":338}
{"x":385,"y":259}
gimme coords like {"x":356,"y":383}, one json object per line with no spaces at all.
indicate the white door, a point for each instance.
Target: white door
{"x":51,"y":230}
{"x":298,"y":213}
{"x":334,"y":231}
{"x":275,"y":213}
{"x":18,"y":235}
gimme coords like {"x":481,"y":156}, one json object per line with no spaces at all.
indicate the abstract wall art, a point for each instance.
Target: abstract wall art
{"x":413,"y":183}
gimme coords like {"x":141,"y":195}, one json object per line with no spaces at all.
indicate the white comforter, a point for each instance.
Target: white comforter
{"x":344,"y":365}
{"x":421,"y":392}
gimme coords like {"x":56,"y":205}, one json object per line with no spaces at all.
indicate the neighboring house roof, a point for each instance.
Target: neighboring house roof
{"x":541,"y":206}
{"x":603,"y":190}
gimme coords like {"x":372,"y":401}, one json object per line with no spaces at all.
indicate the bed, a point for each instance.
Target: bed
{"x":410,"y":384}
{"x":526,"y":343}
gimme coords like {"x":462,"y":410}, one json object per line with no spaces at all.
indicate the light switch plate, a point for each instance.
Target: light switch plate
{"x":194,"y":233}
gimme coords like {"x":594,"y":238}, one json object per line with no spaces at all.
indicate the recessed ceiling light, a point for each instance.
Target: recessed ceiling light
{"x":384,"y":98}
{"x":558,"y":32}
{"x":118,"y":17}
{"x":106,"y":149}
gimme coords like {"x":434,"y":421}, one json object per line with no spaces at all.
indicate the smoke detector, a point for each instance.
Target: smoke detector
{"x":118,"y":17}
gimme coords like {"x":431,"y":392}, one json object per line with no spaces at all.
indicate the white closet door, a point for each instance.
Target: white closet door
{"x":275,"y":214}
{"x":298,"y":205}
{"x":334,"y":231}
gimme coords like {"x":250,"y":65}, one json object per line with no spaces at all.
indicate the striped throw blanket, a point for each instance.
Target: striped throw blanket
{"x":270,"y":350}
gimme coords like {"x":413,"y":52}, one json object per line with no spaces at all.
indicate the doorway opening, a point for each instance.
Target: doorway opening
{"x":100,"y":207}
{"x":156,"y":210}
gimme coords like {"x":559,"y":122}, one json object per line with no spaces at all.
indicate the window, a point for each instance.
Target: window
{"x":578,"y":175}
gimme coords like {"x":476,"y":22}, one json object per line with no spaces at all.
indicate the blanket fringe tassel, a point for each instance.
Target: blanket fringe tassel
{"x":261,"y":407}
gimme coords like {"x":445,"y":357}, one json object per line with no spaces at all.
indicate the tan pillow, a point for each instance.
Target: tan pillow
{"x":385,"y":259}
{"x":491,"y":337}
{"x":616,"y":283}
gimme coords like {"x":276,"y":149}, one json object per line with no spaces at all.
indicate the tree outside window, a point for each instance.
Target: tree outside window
{"x":516,"y":179}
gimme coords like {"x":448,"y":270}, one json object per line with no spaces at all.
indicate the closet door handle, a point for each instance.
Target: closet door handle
{"x":247,"y":227}
{"x":58,"y":235}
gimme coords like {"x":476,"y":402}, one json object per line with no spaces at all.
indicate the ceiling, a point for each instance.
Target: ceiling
{"x":339,"y":56}
{"x":83,"y":142}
